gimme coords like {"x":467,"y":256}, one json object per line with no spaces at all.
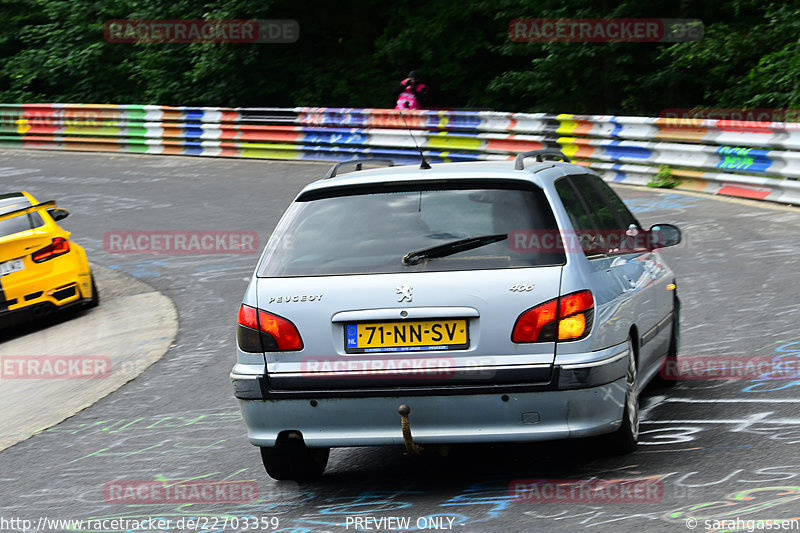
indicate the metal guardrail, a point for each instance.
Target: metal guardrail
{"x":748,"y":159}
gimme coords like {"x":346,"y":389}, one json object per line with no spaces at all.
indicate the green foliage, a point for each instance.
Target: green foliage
{"x":351,"y":54}
{"x":664,"y":179}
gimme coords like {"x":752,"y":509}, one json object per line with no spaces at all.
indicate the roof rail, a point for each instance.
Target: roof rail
{"x":358,"y":163}
{"x":541,"y":155}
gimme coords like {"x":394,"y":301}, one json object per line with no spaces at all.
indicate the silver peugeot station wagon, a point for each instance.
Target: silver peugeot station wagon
{"x":460,"y":303}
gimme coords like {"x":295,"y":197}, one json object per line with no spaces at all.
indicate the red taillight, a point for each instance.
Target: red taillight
{"x":575,"y":303}
{"x":59,"y":246}
{"x":276,"y":333}
{"x":542,"y":324}
{"x":530,"y":323}
{"x":284,"y":332}
{"x":248,"y":316}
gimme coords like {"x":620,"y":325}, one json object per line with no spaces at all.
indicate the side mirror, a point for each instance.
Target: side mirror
{"x":663,"y":235}
{"x":58,"y":213}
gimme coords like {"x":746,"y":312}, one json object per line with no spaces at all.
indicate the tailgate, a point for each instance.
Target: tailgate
{"x":415,"y":329}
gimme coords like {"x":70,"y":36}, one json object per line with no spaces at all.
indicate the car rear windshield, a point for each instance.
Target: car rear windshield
{"x":19,"y":223}
{"x":361,"y":231}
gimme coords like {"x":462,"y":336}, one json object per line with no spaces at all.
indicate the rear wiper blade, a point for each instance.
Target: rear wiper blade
{"x":450,"y":248}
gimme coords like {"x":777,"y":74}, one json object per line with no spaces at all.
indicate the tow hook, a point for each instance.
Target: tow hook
{"x":412,"y":448}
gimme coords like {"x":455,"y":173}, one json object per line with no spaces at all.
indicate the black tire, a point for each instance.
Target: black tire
{"x":626,"y":438}
{"x":94,"y":301}
{"x":291,"y":459}
{"x":666,"y":373}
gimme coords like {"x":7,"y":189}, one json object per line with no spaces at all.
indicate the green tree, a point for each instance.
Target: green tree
{"x":351,"y":54}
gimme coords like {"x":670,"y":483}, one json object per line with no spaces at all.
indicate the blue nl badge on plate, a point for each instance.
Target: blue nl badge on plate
{"x":351,"y":334}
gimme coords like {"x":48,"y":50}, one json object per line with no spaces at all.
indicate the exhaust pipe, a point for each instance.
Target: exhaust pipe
{"x":41,"y":311}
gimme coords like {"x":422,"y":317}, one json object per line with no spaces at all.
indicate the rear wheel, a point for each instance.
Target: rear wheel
{"x":291,"y":459}
{"x":626,"y":438}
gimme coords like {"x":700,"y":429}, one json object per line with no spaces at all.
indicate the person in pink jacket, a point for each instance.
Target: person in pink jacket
{"x":410,"y":92}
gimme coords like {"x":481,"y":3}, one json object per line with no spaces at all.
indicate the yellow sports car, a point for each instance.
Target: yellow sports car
{"x":41,"y":270}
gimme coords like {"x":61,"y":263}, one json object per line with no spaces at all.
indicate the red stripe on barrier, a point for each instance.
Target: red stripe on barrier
{"x":269,"y":133}
{"x":228,"y":133}
{"x":745,"y":126}
{"x":513,"y":145}
{"x":229,"y":116}
{"x":38,"y":107}
{"x":582,"y":127}
{"x":37,"y":138}
{"x":732,"y":190}
{"x":43,"y":145}
{"x":409,"y":119}
{"x":40,"y":130}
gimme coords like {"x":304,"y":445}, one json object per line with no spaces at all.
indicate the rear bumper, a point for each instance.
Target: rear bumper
{"x":476,"y":418}
{"x":43,"y":296}
{"x":579,"y":399}
{"x":590,"y":370}
{"x":54,"y":290}
{"x":34,"y":312}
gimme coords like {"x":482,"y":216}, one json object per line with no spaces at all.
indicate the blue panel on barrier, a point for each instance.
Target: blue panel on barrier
{"x":399,"y":156}
{"x":749,"y":159}
{"x":615,"y":150}
{"x":192,"y":132}
{"x":322,"y":148}
{"x":338,"y":117}
{"x":327,"y":156}
{"x":194,"y":113}
{"x":431,"y":156}
{"x":617,"y":127}
{"x":341,"y":136}
{"x":463,"y":120}
{"x":193,"y":150}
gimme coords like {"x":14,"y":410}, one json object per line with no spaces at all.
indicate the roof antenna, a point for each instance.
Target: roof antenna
{"x":424,"y":164}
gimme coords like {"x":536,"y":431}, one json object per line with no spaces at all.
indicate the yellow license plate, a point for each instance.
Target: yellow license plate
{"x":448,"y":334}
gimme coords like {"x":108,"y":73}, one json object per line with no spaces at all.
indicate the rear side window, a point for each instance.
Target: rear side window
{"x":599,"y":217}
{"x":18,"y":223}
{"x":361,"y":232}
{"x":606,"y":206}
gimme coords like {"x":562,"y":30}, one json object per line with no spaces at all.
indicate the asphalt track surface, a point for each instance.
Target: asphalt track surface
{"x":721,"y":450}
{"x":133,"y":328}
